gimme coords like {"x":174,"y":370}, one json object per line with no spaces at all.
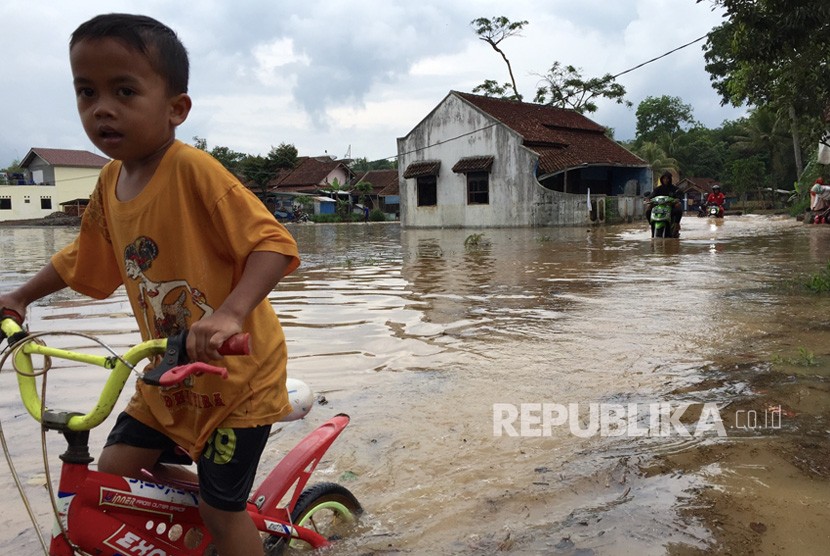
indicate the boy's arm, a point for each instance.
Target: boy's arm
{"x":263,"y":270}
{"x":46,"y":281}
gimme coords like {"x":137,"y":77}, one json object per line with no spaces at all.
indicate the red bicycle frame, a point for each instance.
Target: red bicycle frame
{"x":113,"y":516}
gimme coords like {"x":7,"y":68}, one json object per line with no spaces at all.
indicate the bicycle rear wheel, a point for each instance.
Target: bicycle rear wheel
{"x":328,"y":508}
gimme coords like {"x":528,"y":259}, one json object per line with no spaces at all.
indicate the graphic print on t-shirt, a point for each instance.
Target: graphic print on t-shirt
{"x":167,"y":307}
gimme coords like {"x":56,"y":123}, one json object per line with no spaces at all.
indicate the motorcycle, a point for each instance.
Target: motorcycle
{"x":714,"y":211}
{"x":660,"y":219}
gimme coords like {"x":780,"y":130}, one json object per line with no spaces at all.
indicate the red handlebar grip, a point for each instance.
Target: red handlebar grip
{"x":11,"y":314}
{"x":240,"y":344}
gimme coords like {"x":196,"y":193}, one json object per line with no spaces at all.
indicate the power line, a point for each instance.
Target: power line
{"x":672,"y":51}
{"x":629,"y":70}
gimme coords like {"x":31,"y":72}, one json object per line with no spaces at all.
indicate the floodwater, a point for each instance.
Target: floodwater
{"x":443,"y":346}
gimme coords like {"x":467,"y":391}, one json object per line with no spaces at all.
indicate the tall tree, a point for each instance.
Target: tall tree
{"x":493,"y":31}
{"x":661,"y":116}
{"x":765,"y":134}
{"x":775,"y":52}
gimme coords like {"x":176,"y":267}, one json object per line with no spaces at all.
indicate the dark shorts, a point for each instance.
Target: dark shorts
{"x":226,"y":467}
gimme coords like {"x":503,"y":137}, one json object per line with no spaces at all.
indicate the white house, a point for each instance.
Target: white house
{"x":52,"y":179}
{"x":477,"y":161}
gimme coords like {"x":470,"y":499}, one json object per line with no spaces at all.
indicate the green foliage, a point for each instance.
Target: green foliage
{"x":566,"y":88}
{"x":476,"y":240}
{"x":701,"y":152}
{"x":656,"y":158}
{"x":773,"y":52}
{"x":745,"y":173}
{"x":364,"y":165}
{"x":363,"y":188}
{"x":253,"y":168}
{"x":493,"y":31}
{"x":376,"y":215}
{"x":563,"y":86}
{"x":820,"y":281}
{"x":491,"y":88}
{"x":284,"y":156}
{"x":662,"y":116}
{"x":805,"y":358}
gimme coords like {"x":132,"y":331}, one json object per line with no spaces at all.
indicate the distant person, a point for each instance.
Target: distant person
{"x":819,"y":200}
{"x":667,"y":188}
{"x":716,"y":198}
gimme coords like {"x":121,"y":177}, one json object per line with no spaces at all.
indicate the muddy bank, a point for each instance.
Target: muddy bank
{"x":765,"y":487}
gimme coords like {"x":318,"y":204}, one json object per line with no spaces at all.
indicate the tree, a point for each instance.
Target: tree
{"x":775,"y":52}
{"x":656,"y":158}
{"x":493,"y":31}
{"x":284,"y":156}
{"x":564,"y":87}
{"x":229,"y":158}
{"x":744,"y":174}
{"x":700,"y":152}
{"x":491,"y":88}
{"x":334,"y":189}
{"x":765,"y":135}
{"x":364,"y":165}
{"x":661,"y":116}
{"x":364,"y":189}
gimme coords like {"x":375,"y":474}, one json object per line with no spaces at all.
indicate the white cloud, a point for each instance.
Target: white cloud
{"x":327,"y":75}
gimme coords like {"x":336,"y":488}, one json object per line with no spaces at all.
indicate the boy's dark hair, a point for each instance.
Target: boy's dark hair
{"x":161,"y":45}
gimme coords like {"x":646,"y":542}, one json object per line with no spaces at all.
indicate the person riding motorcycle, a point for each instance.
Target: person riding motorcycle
{"x":666,"y":187}
{"x":717,"y":198}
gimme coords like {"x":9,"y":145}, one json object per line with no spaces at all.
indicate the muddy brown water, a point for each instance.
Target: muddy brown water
{"x":419,"y":335}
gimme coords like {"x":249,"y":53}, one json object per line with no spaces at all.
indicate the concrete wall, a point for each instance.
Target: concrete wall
{"x":516,"y":197}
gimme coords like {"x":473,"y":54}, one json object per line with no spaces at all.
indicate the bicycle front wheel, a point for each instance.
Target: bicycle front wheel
{"x":328,"y":509}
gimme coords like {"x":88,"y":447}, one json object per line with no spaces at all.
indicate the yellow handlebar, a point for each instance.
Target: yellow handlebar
{"x":120,"y":368}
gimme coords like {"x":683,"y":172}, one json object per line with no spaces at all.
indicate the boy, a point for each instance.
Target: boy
{"x":194,"y":249}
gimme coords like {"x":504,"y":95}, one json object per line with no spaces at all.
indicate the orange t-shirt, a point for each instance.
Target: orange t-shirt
{"x":179,"y":248}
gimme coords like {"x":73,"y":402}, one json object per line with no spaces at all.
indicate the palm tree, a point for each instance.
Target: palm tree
{"x":657,"y":159}
{"x":766,"y":132}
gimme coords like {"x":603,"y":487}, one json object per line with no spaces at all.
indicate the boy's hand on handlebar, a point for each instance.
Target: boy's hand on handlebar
{"x":208,"y":334}
{"x":9,"y":303}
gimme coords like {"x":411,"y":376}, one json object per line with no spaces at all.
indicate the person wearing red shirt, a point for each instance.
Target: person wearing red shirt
{"x":717,"y":198}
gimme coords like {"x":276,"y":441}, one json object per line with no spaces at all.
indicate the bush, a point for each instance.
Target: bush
{"x":376,"y":215}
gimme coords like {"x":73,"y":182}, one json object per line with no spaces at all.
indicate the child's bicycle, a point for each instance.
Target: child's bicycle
{"x":108,"y":515}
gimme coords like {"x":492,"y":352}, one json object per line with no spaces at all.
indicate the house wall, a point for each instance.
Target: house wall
{"x":516,"y":197}
{"x":72,"y":183}
{"x":340,"y":174}
{"x":41,"y":172}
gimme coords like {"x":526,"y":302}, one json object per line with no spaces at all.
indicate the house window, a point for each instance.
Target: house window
{"x":46,"y":203}
{"x":427,"y":191}
{"x":478,"y":188}
{"x":5,"y":203}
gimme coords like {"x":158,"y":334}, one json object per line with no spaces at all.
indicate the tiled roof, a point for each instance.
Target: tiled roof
{"x":563,"y":138}
{"x":473,"y":164}
{"x":309,"y":173}
{"x":65,"y":157}
{"x":384,"y":182}
{"x":701,"y":184}
{"x":422,"y":168}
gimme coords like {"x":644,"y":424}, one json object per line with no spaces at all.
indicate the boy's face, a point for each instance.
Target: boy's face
{"x":123,"y":102}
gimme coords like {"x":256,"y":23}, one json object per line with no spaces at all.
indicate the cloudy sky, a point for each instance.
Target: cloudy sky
{"x":338,"y":77}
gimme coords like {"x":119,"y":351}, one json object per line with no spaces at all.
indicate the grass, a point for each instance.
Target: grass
{"x":819,"y":282}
